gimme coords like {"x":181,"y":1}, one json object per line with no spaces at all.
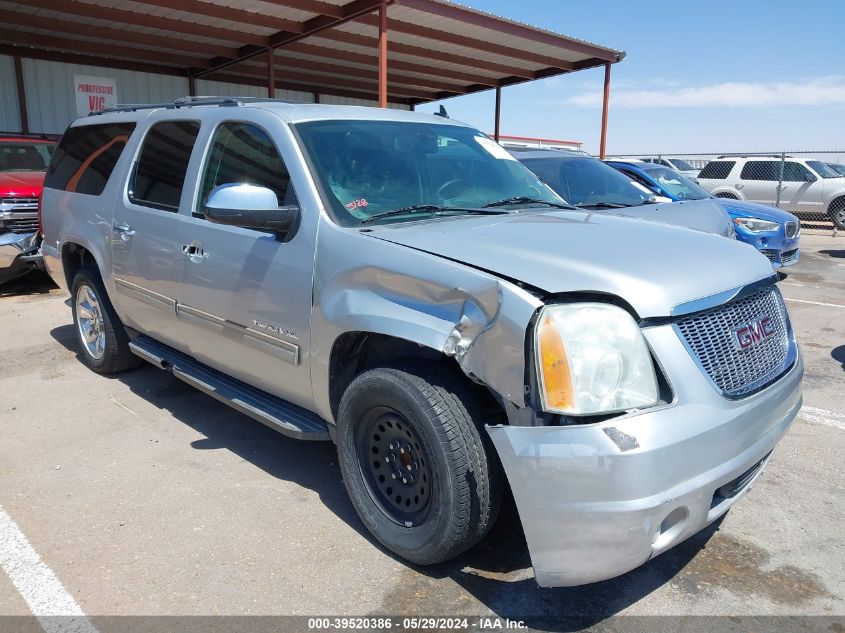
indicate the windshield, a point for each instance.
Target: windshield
{"x":365,"y":168}
{"x":823,"y":170}
{"x":22,"y":156}
{"x":678,"y":185}
{"x":588,"y":182}
{"x":840,"y":169}
{"x":681,"y":164}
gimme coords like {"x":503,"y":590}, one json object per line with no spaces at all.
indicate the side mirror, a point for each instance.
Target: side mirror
{"x":252,"y":207}
{"x":809,"y":177}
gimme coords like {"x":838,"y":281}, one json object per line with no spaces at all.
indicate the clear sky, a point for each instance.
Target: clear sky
{"x":699,"y":76}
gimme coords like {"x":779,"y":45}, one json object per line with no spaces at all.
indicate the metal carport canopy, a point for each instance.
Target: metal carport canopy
{"x":436,"y":49}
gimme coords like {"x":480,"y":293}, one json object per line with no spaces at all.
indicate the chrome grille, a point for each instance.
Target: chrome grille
{"x":790,"y":257}
{"x":791,"y":229}
{"x":711,"y":338}
{"x":22,"y":225}
{"x":19,"y":215}
{"x":18,"y":204}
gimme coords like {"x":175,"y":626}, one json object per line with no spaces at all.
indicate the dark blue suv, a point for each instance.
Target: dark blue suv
{"x":772,"y":231}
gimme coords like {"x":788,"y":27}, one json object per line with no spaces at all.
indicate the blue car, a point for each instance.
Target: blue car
{"x":772,"y":231}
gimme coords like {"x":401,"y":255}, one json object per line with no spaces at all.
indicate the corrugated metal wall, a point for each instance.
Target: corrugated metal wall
{"x":51,"y":103}
{"x":10,"y":119}
{"x":208,"y":87}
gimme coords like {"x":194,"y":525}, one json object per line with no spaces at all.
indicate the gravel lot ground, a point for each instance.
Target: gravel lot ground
{"x":145,"y":496}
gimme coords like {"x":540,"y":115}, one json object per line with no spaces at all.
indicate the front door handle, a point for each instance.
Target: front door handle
{"x":194,"y":252}
{"x":124,"y":231}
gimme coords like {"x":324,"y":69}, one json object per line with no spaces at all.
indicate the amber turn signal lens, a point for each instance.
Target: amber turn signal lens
{"x":555,"y":378}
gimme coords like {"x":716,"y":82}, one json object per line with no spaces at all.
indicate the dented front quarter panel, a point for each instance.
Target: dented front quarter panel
{"x":365,"y":284}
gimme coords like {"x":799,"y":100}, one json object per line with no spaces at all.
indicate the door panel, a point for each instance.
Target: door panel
{"x":798,"y":195}
{"x":246,"y":295}
{"x":758,"y":181}
{"x":146,"y":231}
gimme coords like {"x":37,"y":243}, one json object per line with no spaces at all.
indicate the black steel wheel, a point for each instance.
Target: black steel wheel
{"x":398,"y":471}
{"x":419,"y":472}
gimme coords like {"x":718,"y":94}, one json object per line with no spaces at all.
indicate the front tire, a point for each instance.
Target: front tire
{"x":416,"y":468}
{"x":104,"y":342}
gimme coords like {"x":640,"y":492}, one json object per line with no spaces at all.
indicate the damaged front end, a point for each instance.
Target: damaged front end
{"x":600,"y":498}
{"x":602,"y":484}
{"x":18,"y":254}
{"x":472,"y":316}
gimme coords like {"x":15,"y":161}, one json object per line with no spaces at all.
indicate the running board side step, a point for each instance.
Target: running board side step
{"x":280,"y":415}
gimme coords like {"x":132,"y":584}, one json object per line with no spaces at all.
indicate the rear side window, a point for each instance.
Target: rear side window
{"x":86,"y":156}
{"x":760,"y":170}
{"x":159,"y":173}
{"x":717,"y":169}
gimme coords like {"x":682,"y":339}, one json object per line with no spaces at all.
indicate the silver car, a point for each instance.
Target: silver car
{"x":398,"y":283}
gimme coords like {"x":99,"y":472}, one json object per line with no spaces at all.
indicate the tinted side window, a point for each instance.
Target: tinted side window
{"x":86,"y":156}
{"x":160,"y":171}
{"x":794,"y":172}
{"x":760,"y":170}
{"x":717,"y":169}
{"x":244,"y":153}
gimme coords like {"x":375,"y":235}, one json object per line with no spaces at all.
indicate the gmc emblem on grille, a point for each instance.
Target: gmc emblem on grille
{"x":752,"y":333}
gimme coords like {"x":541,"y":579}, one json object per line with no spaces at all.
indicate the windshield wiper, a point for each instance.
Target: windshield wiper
{"x":431,"y":208}
{"x":602,"y":205}
{"x":527,"y":200}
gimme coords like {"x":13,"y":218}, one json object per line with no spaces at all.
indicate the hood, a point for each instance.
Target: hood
{"x":653,"y":266}
{"x":702,"y":215}
{"x":743,"y":209}
{"x":21,"y":184}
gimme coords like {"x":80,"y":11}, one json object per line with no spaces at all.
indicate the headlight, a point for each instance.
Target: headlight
{"x":591,"y":359}
{"x":756,"y":226}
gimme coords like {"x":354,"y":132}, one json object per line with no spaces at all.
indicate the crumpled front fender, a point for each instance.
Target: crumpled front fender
{"x":370,"y":285}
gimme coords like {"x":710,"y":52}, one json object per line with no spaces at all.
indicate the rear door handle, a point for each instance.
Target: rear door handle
{"x":194,"y":252}
{"x":124,"y":230}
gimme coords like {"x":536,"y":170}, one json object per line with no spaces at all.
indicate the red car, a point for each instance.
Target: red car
{"x":23,"y":162}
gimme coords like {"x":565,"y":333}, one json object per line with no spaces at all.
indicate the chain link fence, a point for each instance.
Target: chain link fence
{"x":809,"y":184}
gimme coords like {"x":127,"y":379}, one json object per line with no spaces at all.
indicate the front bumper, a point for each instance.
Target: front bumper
{"x":18,"y":253}
{"x":780,"y":250}
{"x":598,"y":500}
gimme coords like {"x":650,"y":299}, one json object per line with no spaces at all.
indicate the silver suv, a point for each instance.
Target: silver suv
{"x":398,"y":283}
{"x":811,"y":189}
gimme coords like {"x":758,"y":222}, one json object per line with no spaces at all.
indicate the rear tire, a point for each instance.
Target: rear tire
{"x":102,"y":338}
{"x":418,"y":423}
{"x":836,"y":211}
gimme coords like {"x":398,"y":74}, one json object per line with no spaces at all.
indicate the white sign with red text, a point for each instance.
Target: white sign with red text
{"x":94,"y":93}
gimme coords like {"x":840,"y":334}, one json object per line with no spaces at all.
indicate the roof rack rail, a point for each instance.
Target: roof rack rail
{"x":187,"y":102}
